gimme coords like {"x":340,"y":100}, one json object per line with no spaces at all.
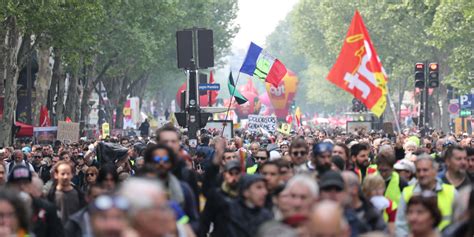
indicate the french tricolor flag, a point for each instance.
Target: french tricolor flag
{"x":258,"y":63}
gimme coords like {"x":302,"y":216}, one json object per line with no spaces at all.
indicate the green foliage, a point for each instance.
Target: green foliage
{"x":403,"y":32}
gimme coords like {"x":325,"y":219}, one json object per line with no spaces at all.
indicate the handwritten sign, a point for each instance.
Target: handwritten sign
{"x":269,"y":123}
{"x":68,"y":131}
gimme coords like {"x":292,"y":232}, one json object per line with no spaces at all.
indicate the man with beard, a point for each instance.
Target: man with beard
{"x":299,"y":152}
{"x":321,"y":158}
{"x":360,"y":157}
{"x":219,"y":198}
{"x":163,"y":160}
{"x":457,"y":164}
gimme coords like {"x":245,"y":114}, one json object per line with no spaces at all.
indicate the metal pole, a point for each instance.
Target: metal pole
{"x":427,"y":119}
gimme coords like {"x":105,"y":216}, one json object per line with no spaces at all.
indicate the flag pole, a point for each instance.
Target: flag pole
{"x":392,"y":107}
{"x":230,"y":103}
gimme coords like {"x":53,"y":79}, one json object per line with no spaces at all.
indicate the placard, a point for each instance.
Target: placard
{"x":268,"y":123}
{"x":44,"y":135}
{"x":358,"y":126}
{"x":216,"y":126}
{"x":68,"y":131}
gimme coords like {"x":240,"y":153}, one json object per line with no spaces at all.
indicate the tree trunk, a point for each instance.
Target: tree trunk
{"x":12,"y":41}
{"x":43,"y":82}
{"x":60,"y":77}
{"x":72,"y":100}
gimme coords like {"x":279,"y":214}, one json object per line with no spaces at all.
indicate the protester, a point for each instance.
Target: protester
{"x":373,"y":189}
{"x":79,"y":223}
{"x":457,"y":164}
{"x":406,"y":169}
{"x":423,"y":215}
{"x":64,"y":194}
{"x":322,"y":224}
{"x":426,"y":170}
{"x":18,"y":159}
{"x":321,"y":158}
{"x":360,"y":157}
{"x":163,"y":159}
{"x":363,"y":207}
{"x":218,"y":198}
{"x":151,"y":208}
{"x":299,"y":152}
{"x":245,"y":215}
{"x":108,"y":217}
{"x":393,"y":182}
{"x":303,"y":192}
{"x":14,"y":213}
{"x":44,"y":218}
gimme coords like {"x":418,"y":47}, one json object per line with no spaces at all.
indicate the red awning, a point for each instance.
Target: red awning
{"x":26,"y":130}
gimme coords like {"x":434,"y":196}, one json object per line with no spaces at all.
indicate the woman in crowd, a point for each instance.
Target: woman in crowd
{"x":108,"y":177}
{"x":423,"y":215}
{"x":90,"y":178}
{"x":373,"y":189}
{"x":14,"y":219}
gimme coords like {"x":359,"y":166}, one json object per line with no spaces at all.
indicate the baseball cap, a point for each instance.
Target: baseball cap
{"x":26,"y":149}
{"x":232,"y":164}
{"x":19,"y":173}
{"x":322,"y":147}
{"x":247,"y":180}
{"x":405,"y":164}
{"x":332,"y":179}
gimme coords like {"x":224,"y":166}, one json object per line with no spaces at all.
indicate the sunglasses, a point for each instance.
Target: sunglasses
{"x":90,"y":174}
{"x":159,"y":159}
{"x":299,"y":153}
{"x":104,"y":203}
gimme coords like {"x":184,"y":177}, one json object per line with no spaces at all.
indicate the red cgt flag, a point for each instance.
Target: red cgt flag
{"x":358,"y":69}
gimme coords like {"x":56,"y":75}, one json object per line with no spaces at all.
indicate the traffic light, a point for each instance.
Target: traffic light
{"x":420,"y":75}
{"x":433,"y":72}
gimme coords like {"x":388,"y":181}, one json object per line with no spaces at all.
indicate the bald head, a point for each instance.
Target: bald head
{"x":322,"y":224}
{"x":36,"y":187}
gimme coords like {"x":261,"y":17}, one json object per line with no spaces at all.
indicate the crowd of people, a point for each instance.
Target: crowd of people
{"x":310,"y":183}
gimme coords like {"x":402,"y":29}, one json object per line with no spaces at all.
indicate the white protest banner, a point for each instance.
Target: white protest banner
{"x":268,"y":123}
{"x":68,"y":131}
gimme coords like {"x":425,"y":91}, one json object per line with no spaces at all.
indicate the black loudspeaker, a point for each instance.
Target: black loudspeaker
{"x":184,"y":43}
{"x":205,"y":48}
{"x":202,"y":80}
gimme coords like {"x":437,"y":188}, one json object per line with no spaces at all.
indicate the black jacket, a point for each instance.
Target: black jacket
{"x":45,"y":219}
{"x":243,"y":221}
{"x":217,"y":200}
{"x":77,"y":225}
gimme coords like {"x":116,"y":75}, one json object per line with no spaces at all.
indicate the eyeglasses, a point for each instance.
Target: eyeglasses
{"x":299,"y":153}
{"x":260,"y":158}
{"x":104,"y":203}
{"x":90,"y":174}
{"x":159,"y":159}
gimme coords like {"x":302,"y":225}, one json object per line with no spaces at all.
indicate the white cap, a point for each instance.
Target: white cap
{"x":405,"y":164}
{"x":275,"y":155}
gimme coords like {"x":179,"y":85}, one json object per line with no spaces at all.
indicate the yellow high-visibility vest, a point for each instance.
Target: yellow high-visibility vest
{"x":252,"y":169}
{"x":393,"y":191}
{"x":445,"y":202}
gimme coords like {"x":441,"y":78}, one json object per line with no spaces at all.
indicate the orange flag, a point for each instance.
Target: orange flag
{"x":358,"y":69}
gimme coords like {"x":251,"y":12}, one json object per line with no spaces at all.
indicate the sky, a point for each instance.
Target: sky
{"x":257,"y":19}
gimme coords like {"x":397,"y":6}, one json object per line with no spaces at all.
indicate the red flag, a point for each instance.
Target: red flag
{"x":213,"y":94}
{"x":358,"y":69}
{"x":68,"y":120}
{"x":45,"y":121}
